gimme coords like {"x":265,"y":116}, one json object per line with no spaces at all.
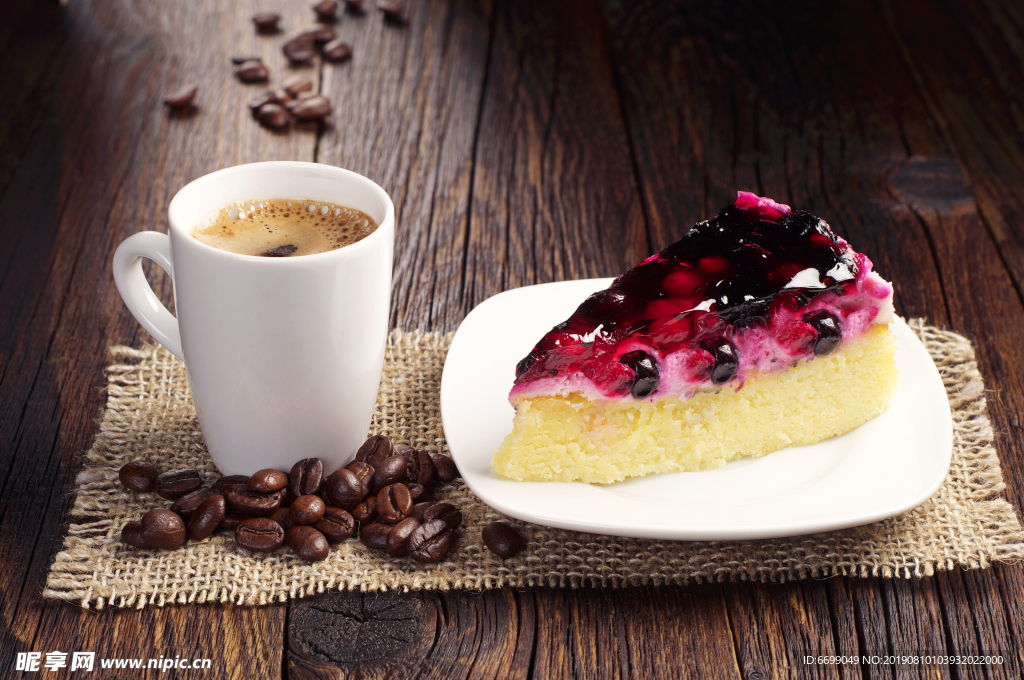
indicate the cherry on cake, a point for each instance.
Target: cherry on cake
{"x":759,"y":329}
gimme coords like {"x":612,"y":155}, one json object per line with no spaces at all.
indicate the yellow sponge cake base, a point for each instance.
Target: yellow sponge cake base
{"x":571,"y":438}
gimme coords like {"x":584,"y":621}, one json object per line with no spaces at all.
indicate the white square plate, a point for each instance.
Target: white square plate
{"x":882,"y":468}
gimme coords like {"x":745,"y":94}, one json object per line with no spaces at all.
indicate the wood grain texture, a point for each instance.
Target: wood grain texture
{"x":554,"y":196}
{"x":407,"y":109}
{"x":522,"y":142}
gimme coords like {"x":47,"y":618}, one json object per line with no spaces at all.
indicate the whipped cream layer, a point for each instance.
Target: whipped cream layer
{"x":754,"y":289}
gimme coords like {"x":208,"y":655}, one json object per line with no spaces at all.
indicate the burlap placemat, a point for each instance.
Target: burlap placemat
{"x":149,"y":415}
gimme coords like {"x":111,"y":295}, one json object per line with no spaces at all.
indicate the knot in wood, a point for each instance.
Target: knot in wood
{"x":345,"y":628}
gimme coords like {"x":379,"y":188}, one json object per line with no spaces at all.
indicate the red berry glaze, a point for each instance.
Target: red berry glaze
{"x":757,"y":283}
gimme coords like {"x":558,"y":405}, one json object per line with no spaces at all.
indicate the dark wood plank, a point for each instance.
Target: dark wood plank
{"x":554,"y":195}
{"x":103,"y":164}
{"x":408,"y":105}
{"x":678,"y":632}
{"x":772,"y":644}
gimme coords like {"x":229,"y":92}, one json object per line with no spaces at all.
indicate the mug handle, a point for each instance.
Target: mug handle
{"x":136,"y":292}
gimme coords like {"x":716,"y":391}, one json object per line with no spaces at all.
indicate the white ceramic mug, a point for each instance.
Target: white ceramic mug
{"x":284,"y":355}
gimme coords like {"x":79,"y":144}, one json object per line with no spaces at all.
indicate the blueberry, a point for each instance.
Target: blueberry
{"x":646,"y":370}
{"x":608,"y":307}
{"x":727,"y":362}
{"x":830,"y":333}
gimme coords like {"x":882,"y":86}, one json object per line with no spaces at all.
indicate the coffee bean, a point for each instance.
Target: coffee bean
{"x":392,"y":10}
{"x":163,"y":529}
{"x":343,"y":489}
{"x":375,"y":535}
{"x":337,"y":50}
{"x":250,"y":503}
{"x":231,"y":482}
{"x":319,"y":35}
{"x":131,"y":534}
{"x":313,"y":108}
{"x":392,"y":471}
{"x":266,"y":22}
{"x":337,"y":525}
{"x":241,"y":60}
{"x":259,"y":534}
{"x":188,"y":503}
{"x":364,"y":473}
{"x":419,"y":492}
{"x":374,"y":450}
{"x":269,"y":97}
{"x":366,"y":511}
{"x":252,"y":72}
{"x":232,"y":520}
{"x":444,"y":468}
{"x":420,"y":508}
{"x":502,"y":539}
{"x":308,"y":543}
{"x":267,"y":481}
{"x":296,"y":84}
{"x":394,"y":503}
{"x":299,"y":49}
{"x":283,"y":516}
{"x":181,"y":97}
{"x":307,"y":476}
{"x":176,"y":483}
{"x":326,"y":10}
{"x":421,"y":468}
{"x":398,"y":537}
{"x":446,"y":511}
{"x":138,"y":476}
{"x":276,"y":117}
{"x":432,"y":541}
{"x":207,"y":517}
{"x":307,"y":509}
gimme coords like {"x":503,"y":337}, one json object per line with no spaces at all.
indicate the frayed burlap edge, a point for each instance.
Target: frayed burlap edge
{"x":149,"y":415}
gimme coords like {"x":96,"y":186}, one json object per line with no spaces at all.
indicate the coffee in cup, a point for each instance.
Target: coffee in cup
{"x":283,"y":227}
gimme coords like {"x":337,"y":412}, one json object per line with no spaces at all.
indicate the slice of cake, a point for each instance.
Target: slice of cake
{"x":759,"y":329}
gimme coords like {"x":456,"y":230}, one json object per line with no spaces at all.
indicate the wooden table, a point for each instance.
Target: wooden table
{"x":522,"y":142}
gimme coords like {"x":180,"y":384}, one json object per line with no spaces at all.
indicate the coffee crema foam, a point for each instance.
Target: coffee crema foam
{"x":284,"y":227}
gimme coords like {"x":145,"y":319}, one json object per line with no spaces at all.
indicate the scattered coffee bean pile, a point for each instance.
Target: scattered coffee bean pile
{"x":279,"y":112}
{"x":384,"y":494}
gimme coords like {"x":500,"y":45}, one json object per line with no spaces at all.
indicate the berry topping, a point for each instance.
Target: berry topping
{"x":646,"y":371}
{"x":829,"y":331}
{"x":524,"y":364}
{"x":757,"y":283}
{"x":727,"y":362}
